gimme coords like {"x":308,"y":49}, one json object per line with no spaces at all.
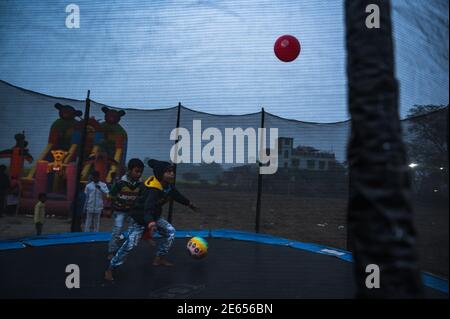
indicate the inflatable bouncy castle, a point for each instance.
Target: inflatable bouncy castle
{"x":54,"y":172}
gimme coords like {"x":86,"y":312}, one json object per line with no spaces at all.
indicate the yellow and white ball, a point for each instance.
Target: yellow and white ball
{"x":197,"y":247}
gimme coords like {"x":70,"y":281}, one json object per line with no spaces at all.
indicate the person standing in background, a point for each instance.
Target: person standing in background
{"x":39,"y":213}
{"x":4,"y":187}
{"x":95,"y":192}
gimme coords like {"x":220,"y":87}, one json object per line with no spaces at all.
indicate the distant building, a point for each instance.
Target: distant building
{"x":303,"y":157}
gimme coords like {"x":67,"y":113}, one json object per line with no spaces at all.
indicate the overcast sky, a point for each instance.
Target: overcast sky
{"x":213,"y":56}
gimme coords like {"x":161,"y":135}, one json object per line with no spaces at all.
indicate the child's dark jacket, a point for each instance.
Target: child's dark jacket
{"x":149,"y":206}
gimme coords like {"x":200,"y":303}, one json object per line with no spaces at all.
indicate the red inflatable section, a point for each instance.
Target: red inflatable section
{"x":40,"y":184}
{"x":71,"y":174}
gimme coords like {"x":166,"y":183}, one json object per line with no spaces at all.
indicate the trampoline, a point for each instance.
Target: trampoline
{"x":363,"y":183}
{"x":239,"y":265}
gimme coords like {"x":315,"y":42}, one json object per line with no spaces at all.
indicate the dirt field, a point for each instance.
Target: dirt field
{"x":316,"y":220}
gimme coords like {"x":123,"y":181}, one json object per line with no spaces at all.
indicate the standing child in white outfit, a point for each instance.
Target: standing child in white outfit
{"x":95,"y":192}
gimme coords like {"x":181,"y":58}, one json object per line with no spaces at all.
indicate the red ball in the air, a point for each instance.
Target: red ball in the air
{"x":287,"y":48}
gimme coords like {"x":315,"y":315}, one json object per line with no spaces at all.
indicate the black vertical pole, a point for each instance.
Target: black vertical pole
{"x":22,"y":163}
{"x":22,"y":150}
{"x":169,"y":218}
{"x":76,"y":215}
{"x":258,"y":198}
{"x":379,"y":213}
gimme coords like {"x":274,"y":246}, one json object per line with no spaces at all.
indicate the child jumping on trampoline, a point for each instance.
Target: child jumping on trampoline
{"x":159,"y":189}
{"x":124,"y":194}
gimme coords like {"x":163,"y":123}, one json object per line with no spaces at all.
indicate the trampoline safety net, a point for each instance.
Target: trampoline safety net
{"x":306,"y":199}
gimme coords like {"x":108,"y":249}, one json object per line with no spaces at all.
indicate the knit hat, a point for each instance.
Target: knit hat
{"x":159,"y":167}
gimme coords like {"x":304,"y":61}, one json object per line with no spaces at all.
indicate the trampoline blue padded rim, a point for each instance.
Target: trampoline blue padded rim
{"x":429,"y":280}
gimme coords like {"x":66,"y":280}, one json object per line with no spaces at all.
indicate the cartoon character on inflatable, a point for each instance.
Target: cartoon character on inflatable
{"x":18,"y":154}
{"x":110,"y":144}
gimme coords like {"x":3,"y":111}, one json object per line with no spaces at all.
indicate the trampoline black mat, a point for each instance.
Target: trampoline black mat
{"x":232,"y":269}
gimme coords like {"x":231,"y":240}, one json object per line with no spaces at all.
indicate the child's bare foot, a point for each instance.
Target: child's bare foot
{"x":161,"y":261}
{"x":109,"y":275}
